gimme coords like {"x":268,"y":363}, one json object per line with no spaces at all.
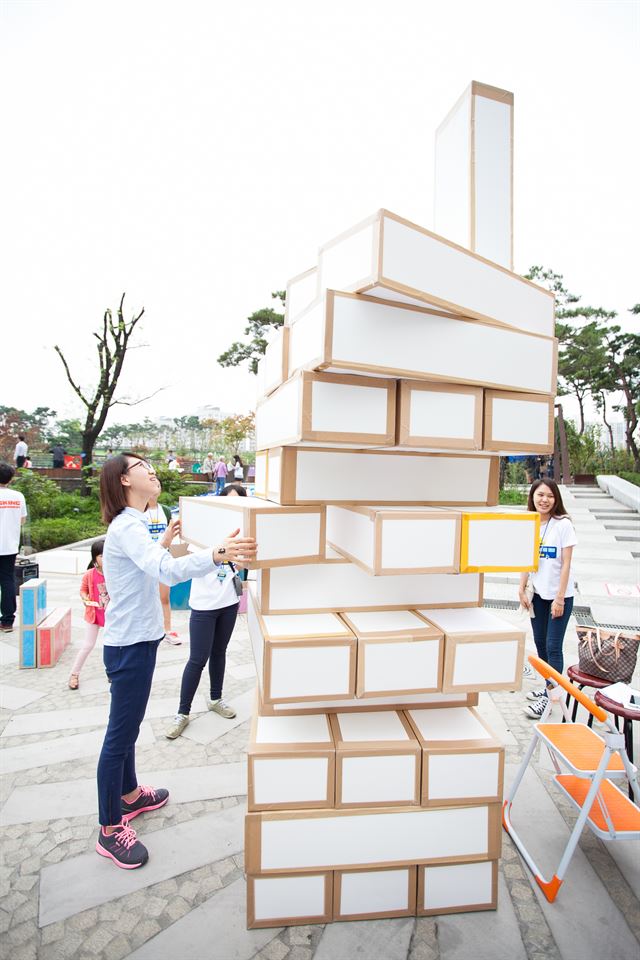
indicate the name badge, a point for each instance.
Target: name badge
{"x":548,"y":553}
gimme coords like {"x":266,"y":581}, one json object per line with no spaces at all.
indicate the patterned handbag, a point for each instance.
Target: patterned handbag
{"x":606,"y":655}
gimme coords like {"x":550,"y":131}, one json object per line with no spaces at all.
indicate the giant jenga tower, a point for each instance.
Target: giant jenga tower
{"x":406,"y":365}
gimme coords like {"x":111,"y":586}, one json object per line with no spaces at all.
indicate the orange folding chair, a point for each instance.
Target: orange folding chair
{"x":593,"y":761}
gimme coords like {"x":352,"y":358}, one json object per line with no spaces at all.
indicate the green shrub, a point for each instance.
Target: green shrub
{"x":49,"y":532}
{"x":630,"y":476}
{"x":39,"y":492}
{"x":513,"y":497}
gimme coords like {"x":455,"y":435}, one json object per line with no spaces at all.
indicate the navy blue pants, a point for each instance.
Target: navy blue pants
{"x":548,"y":631}
{"x":7,"y":589}
{"x":130,"y":670}
{"x":209,"y":635}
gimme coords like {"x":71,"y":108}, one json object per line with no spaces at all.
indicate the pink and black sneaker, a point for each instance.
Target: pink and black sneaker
{"x":122,"y":846}
{"x":149,"y":799}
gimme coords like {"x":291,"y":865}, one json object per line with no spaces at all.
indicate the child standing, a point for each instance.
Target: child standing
{"x":95,"y":598}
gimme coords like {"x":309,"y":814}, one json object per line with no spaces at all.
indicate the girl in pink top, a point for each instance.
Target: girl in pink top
{"x":95,"y":598}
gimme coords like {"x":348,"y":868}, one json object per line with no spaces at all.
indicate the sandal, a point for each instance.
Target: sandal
{"x":74,"y":681}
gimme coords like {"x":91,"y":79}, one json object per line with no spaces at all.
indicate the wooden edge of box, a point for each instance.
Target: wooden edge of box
{"x":329,"y":799}
{"x":325,"y":917}
{"x":464,"y":908}
{"x":426,"y":632}
{"x":409,"y":911}
{"x":448,"y":686}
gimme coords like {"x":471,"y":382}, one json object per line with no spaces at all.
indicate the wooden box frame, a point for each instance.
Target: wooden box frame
{"x":284,"y":481}
{"x":470,"y":517}
{"x":295,"y":586}
{"x":349,"y":749}
{"x":462,"y":908}
{"x":379,"y":519}
{"x":410,"y":911}
{"x":53,"y":636}
{"x":274,"y":643}
{"x":366,"y":638}
{"x":406,"y":438}
{"x":397,"y":259}
{"x":362,"y":705}
{"x":441,"y":347}
{"x":274,"y":365}
{"x":33,"y":608}
{"x":297,"y":394}
{"x":424,"y":822}
{"x":460,"y":638}
{"x":324,"y":749}
{"x":302,"y":290}
{"x":509,"y":445}
{"x":287,"y":921}
{"x":249,"y":513}
{"x":457,"y":747}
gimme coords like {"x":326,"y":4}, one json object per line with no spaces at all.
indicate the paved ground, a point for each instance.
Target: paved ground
{"x":60,"y":900}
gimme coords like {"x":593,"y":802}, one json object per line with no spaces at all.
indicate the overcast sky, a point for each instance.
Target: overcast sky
{"x":196,"y":154}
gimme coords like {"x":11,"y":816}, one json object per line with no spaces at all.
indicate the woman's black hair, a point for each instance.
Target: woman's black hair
{"x":236,"y":487}
{"x":238,"y":459}
{"x":97,"y":549}
{"x":558,"y":509}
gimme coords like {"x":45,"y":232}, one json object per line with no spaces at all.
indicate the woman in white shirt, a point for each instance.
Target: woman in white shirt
{"x":214,"y":608}
{"x":553,"y":582}
{"x":133,"y":564}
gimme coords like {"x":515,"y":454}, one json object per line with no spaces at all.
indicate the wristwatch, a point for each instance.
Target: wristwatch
{"x":221,"y":551}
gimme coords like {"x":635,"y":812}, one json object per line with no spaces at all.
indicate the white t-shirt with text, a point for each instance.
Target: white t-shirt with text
{"x":555,"y":536}
{"x":211,"y":593}
{"x":13,"y":508}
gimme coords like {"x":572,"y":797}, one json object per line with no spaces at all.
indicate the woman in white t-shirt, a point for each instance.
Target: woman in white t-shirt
{"x":553,"y":582}
{"x":214,"y":608}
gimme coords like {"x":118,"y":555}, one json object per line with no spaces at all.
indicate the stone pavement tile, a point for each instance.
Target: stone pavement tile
{"x":14,"y":698}
{"x":241,"y":671}
{"x":77,"y":798}
{"x":87,"y":881}
{"x":369,"y":939}
{"x":207,"y":728}
{"x":490,"y":712}
{"x":8,"y":654}
{"x":627,"y":858}
{"x":582,"y":896}
{"x":465,"y":935}
{"x":215,"y":930}
{"x":43,"y":753}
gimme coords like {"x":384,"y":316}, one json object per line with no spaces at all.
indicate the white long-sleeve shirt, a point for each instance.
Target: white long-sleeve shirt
{"x":133,"y":564}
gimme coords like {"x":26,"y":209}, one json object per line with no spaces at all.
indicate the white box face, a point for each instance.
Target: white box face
{"x":373,"y":891}
{"x":419,"y":543}
{"x":468,"y":621}
{"x":290,"y":780}
{"x":389,"y":779}
{"x":347,"y":408}
{"x":396,"y":837}
{"x":372,"y":727}
{"x":520,"y":421}
{"x":261,"y":474}
{"x":429,"y":345}
{"x":312,"y":728}
{"x":344,"y":263}
{"x":256,"y":638}
{"x":452,"y":192}
{"x":360,"y":477}
{"x":501,"y":543}
{"x":463,"y":282}
{"x":493,"y":180}
{"x":278,"y":417}
{"x":305,"y":625}
{"x":386,"y":621}
{"x":273,"y":362}
{"x":306,"y":338}
{"x":344,"y":586}
{"x":351,"y":532}
{"x":457,"y":885}
{"x":463,"y":775}
{"x":309,"y":671}
{"x":452,"y":723}
{"x":288,"y":535}
{"x":485,"y":662}
{"x":439,"y":414}
{"x":205,"y":523}
{"x":273,"y":474}
{"x":289,"y":897}
{"x":401,"y":666}
{"x":301,"y":292}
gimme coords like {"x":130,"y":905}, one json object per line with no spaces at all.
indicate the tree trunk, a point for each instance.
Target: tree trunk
{"x":581,"y":407}
{"x":88,"y":443}
{"x":603,"y":401}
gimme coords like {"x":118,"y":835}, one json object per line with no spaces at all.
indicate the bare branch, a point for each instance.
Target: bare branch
{"x":76,"y":388}
{"x":134,"y":403}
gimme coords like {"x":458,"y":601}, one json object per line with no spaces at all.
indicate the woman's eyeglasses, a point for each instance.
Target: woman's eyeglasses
{"x":141,"y":463}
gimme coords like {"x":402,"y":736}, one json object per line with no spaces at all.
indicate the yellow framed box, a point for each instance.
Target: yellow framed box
{"x":370,"y":894}
{"x":518,"y":422}
{"x":301,"y":657}
{"x":462,"y":761}
{"x":487,"y":537}
{"x":285,"y":534}
{"x":378,"y":760}
{"x":390,"y":257}
{"x":457,"y":888}
{"x":328,"y":408}
{"x":387,"y":541}
{"x":396,"y":655}
{"x":481,"y":652}
{"x":324,"y":475}
{"x":289,"y":901}
{"x":291,"y":763}
{"x":303,"y":841}
{"x":439,"y":415}
{"x":349,"y":333}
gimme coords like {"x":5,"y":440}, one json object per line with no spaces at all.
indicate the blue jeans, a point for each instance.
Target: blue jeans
{"x":130,"y":670}
{"x":209,"y":635}
{"x":548,"y":632}
{"x":220,"y":482}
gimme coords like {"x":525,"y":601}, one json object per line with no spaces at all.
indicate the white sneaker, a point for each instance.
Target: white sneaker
{"x":181,"y":721}
{"x":535,"y":710}
{"x":220,"y":707}
{"x":173,"y":637}
{"x":537,"y":694}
